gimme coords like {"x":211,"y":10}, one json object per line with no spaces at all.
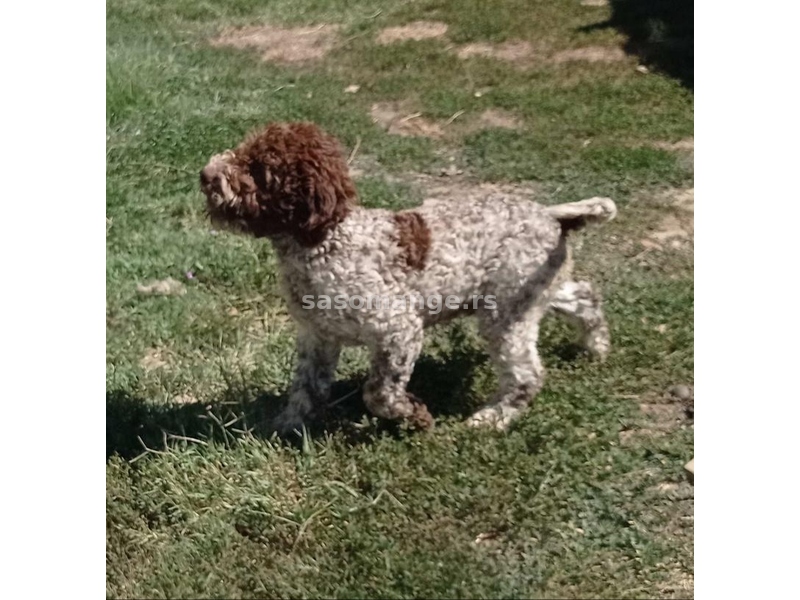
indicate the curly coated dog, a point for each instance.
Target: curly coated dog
{"x":503,"y":260}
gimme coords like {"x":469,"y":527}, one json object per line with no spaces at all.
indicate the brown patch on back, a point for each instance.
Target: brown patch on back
{"x":416,"y":31}
{"x":397,"y":119}
{"x":276,"y":44}
{"x":413,"y":237}
{"x":592,"y":54}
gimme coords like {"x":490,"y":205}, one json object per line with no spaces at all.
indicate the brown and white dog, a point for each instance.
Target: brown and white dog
{"x":500,"y":259}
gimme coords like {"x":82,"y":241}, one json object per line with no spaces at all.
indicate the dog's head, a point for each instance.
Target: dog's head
{"x":289,"y":179}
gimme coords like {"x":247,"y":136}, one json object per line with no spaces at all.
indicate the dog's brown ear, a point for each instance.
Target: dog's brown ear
{"x":242,"y":182}
{"x":330,"y":195}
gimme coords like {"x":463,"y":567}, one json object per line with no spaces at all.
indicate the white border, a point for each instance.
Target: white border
{"x":53,"y":258}
{"x":747,"y":206}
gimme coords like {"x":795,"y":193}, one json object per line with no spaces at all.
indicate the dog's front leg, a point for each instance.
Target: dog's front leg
{"x":316,"y":365}
{"x":385,"y":392}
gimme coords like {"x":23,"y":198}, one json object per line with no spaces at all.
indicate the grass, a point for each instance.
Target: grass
{"x":584,"y":497}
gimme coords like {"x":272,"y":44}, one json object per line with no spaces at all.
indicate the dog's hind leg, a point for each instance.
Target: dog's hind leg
{"x":512,"y":332}
{"x":580,"y":305}
{"x":316,"y":366}
{"x":520,"y":373}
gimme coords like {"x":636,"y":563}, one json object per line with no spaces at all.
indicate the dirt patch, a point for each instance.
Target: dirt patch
{"x":416,"y":31}
{"x":451,"y":183}
{"x":461,"y":188}
{"x":592,"y":54}
{"x":364,"y":165}
{"x":684,"y":395}
{"x":162,"y":287}
{"x":684,"y":145}
{"x":683,"y":150}
{"x":658,"y":419}
{"x":684,"y":200}
{"x":679,"y":584}
{"x":515,"y":51}
{"x":631,"y":437}
{"x":675,"y":230}
{"x":398,"y":118}
{"x":499,"y":119}
{"x":669,"y":229}
{"x":681,"y":199}
{"x":276,"y":44}
{"x":184,"y":399}
{"x":524,"y":53}
{"x":663,"y":416}
{"x":153,"y":359}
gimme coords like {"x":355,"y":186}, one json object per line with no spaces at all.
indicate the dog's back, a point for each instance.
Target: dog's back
{"x":484,"y":247}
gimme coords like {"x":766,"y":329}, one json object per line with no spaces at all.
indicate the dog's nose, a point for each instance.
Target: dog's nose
{"x":207,"y":175}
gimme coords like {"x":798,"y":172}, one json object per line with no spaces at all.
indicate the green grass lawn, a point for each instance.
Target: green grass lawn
{"x":584,"y":497}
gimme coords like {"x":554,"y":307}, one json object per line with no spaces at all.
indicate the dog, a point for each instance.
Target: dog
{"x":502,"y":260}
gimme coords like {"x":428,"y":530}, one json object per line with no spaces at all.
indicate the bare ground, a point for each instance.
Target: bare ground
{"x":398,"y":118}
{"x":499,"y":118}
{"x":684,"y":145}
{"x":416,"y":31}
{"x":162,"y":287}
{"x":590,"y":54}
{"x":459,"y":187}
{"x":154,"y":358}
{"x":525,"y":54}
{"x":513,"y":51}
{"x":282,"y":45}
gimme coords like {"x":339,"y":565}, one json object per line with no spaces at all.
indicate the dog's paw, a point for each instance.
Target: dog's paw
{"x":598,"y":343}
{"x":497,"y":417}
{"x":420,"y":418}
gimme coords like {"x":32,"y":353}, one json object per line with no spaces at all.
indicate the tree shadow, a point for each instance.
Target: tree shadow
{"x":660,"y":33}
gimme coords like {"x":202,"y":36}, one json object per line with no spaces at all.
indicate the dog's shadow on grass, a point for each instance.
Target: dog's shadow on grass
{"x":444,"y":380}
{"x":135,"y":425}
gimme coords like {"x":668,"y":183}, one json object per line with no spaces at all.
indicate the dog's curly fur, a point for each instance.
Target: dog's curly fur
{"x":290,"y":183}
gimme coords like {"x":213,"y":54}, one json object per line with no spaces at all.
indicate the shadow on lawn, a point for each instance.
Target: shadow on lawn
{"x":444,"y":381}
{"x":134,"y":424}
{"x":660,"y":32}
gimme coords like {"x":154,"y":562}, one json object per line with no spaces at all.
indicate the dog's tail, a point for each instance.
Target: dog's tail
{"x":576,"y":215}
